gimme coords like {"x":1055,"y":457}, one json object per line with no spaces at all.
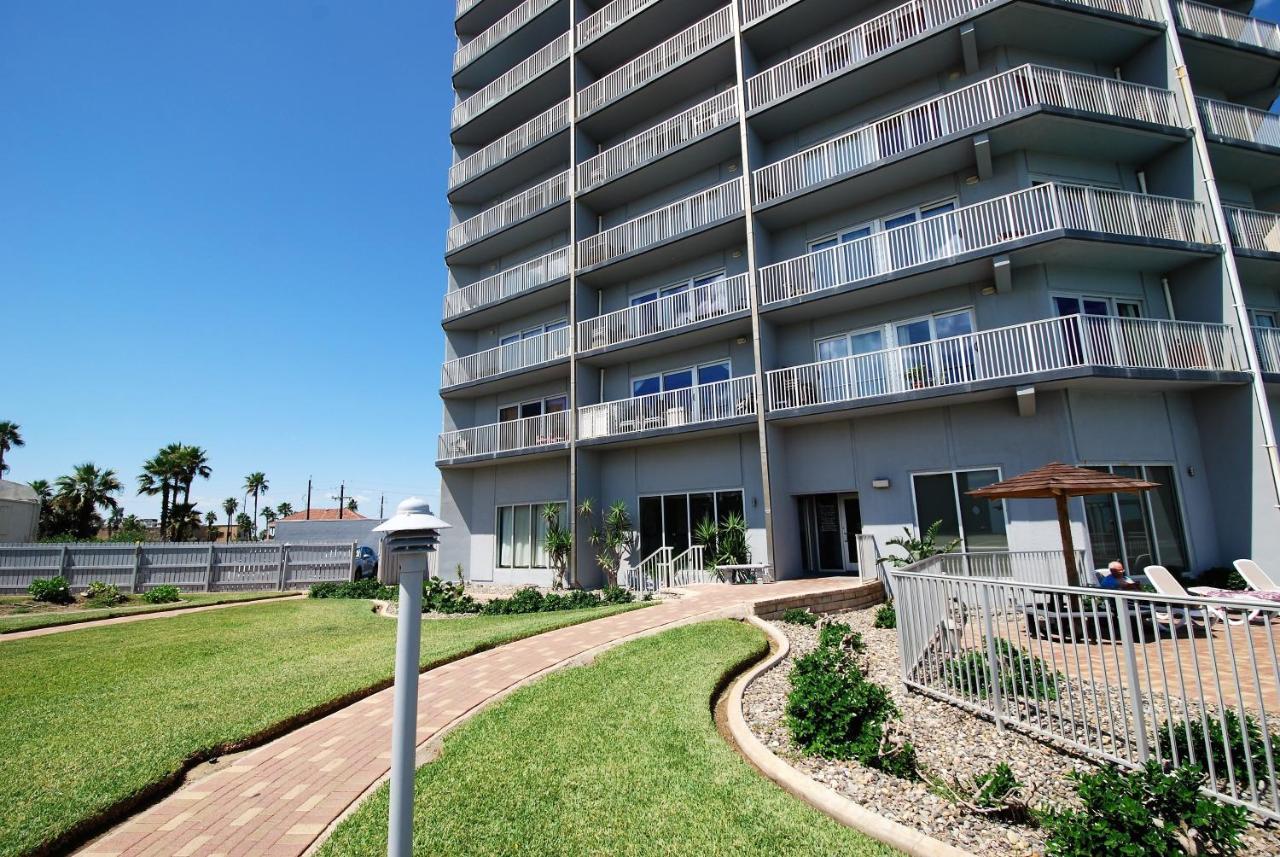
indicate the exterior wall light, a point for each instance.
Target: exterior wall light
{"x":882,"y":482}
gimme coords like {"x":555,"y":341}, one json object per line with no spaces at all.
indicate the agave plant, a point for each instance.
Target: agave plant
{"x":918,"y":549}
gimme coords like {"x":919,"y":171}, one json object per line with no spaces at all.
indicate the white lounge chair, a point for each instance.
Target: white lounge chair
{"x":1166,"y":584}
{"x":1255,"y":576}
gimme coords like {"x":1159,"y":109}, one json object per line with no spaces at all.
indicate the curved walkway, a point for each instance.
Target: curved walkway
{"x":282,"y":797}
{"x":139,"y":617}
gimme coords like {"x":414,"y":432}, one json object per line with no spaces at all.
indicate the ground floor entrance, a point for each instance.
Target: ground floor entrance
{"x":829,"y":528}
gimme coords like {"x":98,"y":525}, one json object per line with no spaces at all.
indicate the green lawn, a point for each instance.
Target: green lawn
{"x":90,"y":717}
{"x":42,"y":617}
{"x":621,"y":757}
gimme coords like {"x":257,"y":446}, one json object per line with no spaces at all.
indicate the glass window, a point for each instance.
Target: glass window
{"x":713,"y":372}
{"x":556,"y":404}
{"x":729,"y":502}
{"x":650,"y":525}
{"x":508,"y":413}
{"x":646,"y":386}
{"x":558,"y":324}
{"x":914,"y":332}
{"x":978,"y":523}
{"x":834,"y":348}
{"x":668,"y":520}
{"x":679,"y":380}
{"x":936,"y":501}
{"x":539,"y":537}
{"x":702,"y":507}
{"x":522,"y":553}
{"x":521,"y":535}
{"x":1264,"y":319}
{"x":675,"y":522}
{"x":531,"y":409}
{"x":953,"y":324}
{"x":506,"y":541}
{"x":1138,"y":529}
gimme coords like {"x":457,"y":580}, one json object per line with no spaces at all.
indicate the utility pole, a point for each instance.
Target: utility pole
{"x":308,"y":498}
{"x":342,"y":492}
{"x":382,"y":505}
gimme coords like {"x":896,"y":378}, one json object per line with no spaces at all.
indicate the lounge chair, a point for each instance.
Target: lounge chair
{"x":1166,"y":584}
{"x":1255,"y":576}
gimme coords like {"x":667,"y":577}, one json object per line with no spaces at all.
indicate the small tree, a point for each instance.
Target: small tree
{"x":244,"y":527}
{"x":918,"y":549}
{"x":725,"y":543}
{"x":211,"y":522}
{"x":558,"y":544}
{"x":229,"y":506}
{"x":611,"y":539}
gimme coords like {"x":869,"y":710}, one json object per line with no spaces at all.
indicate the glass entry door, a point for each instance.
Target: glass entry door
{"x":830,"y":525}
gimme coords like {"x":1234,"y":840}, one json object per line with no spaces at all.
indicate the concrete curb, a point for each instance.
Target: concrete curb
{"x":839,"y":807}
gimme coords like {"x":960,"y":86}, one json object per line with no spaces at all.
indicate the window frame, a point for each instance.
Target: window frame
{"x":535,"y":514}
{"x":675,"y":288}
{"x":661,"y":497}
{"x":955,"y":495}
{"x":1112,"y":302}
{"x":1144,"y":497}
{"x":542,"y":401}
{"x":726,"y":362}
{"x":889,"y":330}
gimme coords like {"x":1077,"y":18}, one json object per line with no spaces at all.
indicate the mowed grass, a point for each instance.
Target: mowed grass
{"x":71,"y":615}
{"x":91,"y":717}
{"x":618,"y":758}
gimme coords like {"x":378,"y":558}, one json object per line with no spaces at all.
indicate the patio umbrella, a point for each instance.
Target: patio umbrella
{"x":1057,"y":482}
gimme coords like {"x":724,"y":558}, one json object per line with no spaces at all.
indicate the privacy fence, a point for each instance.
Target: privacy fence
{"x":190,"y":566}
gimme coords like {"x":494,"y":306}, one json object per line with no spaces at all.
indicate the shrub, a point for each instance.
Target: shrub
{"x":886,"y":616}
{"x":52,"y":590}
{"x":1245,"y":744}
{"x":1144,"y":812}
{"x":799,"y":616}
{"x":446,"y":596}
{"x":995,"y":785}
{"x":104,"y":594}
{"x":618,"y":595}
{"x":1221,"y":577}
{"x":162,"y":595}
{"x":1021,"y":674}
{"x":526,"y":600}
{"x":323,"y":590}
{"x":838,"y":635}
{"x":366,"y":587}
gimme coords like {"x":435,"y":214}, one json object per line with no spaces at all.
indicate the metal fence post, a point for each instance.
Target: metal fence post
{"x":993,"y":664}
{"x":208,"y":570}
{"x":351,"y":572}
{"x":137,"y":569}
{"x":62,"y":563}
{"x":1131,"y":672}
{"x":282,"y":567}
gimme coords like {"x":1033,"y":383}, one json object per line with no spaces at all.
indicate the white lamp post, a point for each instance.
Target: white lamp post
{"x":411,"y":536}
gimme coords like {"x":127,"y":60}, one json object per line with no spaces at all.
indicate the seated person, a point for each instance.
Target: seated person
{"x":1116,"y":578}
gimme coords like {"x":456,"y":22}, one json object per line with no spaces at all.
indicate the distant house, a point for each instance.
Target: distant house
{"x":19,"y":512}
{"x":325,"y":526}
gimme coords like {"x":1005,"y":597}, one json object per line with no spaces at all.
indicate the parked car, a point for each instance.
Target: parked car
{"x":366,"y":562}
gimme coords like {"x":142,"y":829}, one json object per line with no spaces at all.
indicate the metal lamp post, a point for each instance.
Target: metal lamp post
{"x":412,"y":534}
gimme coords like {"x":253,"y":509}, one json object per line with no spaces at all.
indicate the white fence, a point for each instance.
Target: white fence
{"x":511,"y":357}
{"x":1225,"y":24}
{"x":190,"y":566}
{"x":1254,"y":230}
{"x":1237,"y":122}
{"x":511,"y":436}
{"x":609,"y":16}
{"x":539,"y":128}
{"x":547,"y":57}
{"x":541,"y":196}
{"x":1267,"y":341}
{"x":1121,"y":676}
{"x":668,"y":313}
{"x":508,"y":283}
{"x":754,"y":10}
{"x":504,"y":27}
{"x":704,"y":403}
{"x":664,"y":569}
{"x":1007,"y":352}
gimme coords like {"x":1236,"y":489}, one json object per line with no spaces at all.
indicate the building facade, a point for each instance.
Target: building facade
{"x":832,"y":264}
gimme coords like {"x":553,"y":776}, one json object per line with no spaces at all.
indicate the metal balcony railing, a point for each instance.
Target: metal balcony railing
{"x":1236,"y":122}
{"x":665,"y":314}
{"x":1267,"y":341}
{"x":509,"y":145}
{"x":465,"y":6}
{"x":553,"y":191}
{"x":546,"y":58}
{"x":512,"y":357}
{"x":504,"y":27}
{"x":507,"y":284}
{"x":527,"y":433}
{"x":1253,"y":230}
{"x":754,"y":10}
{"x":705,"y":403}
{"x":961,"y":111}
{"x":680,"y":48}
{"x":986,"y":226}
{"x":883,"y":34}
{"x":607,"y":17}
{"x":1074,"y":341}
{"x":698,"y":121}
{"x":671,"y":221}
{"x":1225,"y":24}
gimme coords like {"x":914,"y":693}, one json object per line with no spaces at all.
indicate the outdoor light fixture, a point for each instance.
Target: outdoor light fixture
{"x":880,"y":483}
{"x":412,"y":535}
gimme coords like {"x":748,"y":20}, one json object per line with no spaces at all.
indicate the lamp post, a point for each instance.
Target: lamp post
{"x":412,"y":534}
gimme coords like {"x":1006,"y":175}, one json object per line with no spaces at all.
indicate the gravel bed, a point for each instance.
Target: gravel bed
{"x":951,"y":745}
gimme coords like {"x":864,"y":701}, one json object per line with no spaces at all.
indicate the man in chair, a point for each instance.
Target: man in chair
{"x":1115,"y":578}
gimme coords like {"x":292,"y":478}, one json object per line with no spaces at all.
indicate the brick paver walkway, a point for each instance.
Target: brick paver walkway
{"x":280,"y":798}
{"x":139,"y":617}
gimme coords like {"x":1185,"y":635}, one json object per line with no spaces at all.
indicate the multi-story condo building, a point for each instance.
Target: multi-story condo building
{"x":832,"y":264}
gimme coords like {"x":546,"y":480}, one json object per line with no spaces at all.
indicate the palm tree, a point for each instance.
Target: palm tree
{"x":256,"y":484}
{"x":352,"y":505}
{"x":268,"y":515}
{"x":188,"y":463}
{"x":42,"y":489}
{"x":211,"y":521}
{"x":10,"y":437}
{"x":86,"y":490}
{"x":284,"y":510}
{"x":229,"y":506}
{"x":161,"y":475}
{"x":113,"y":523}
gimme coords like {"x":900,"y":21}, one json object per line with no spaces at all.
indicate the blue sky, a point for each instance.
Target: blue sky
{"x":222,"y":223}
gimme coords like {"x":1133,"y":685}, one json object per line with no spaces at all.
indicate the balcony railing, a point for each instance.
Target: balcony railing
{"x":881,"y":35}
{"x":986,"y":226}
{"x":1074,"y":341}
{"x":507,"y":284}
{"x":553,"y":191}
{"x":1267,"y":342}
{"x":513,"y":80}
{"x":1253,"y":230}
{"x":961,"y":111}
{"x":1225,"y":24}
{"x":754,"y":10}
{"x":1237,"y":122}
{"x":705,"y":403}
{"x":669,"y":313}
{"x":698,"y":121}
{"x":683,"y":46}
{"x":512,"y":357}
{"x":678,"y":218}
{"x":465,"y":6}
{"x":607,"y":17}
{"x":504,"y":27}
{"x":527,"y":433}
{"x":509,"y":145}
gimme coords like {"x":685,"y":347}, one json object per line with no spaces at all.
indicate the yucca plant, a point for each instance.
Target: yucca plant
{"x":558,"y":544}
{"x":611,"y":539}
{"x":918,"y":549}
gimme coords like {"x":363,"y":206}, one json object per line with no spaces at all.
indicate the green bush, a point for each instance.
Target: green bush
{"x":995,"y":785}
{"x":52,"y":590}
{"x":447,"y":596}
{"x":367,"y":587}
{"x":799,"y":616}
{"x":1245,"y":744}
{"x":104,"y":594}
{"x":618,"y":595}
{"x":886,"y":616}
{"x":162,"y":595}
{"x":838,"y":634}
{"x":1144,"y":812}
{"x":1221,"y":577}
{"x":1021,"y":674}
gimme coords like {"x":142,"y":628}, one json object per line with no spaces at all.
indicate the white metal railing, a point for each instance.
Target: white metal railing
{"x":683,"y":46}
{"x":960,"y":111}
{"x":689,"y":568}
{"x":1225,"y":24}
{"x":754,"y":10}
{"x":1073,"y":341}
{"x":543,"y":60}
{"x":667,"y":313}
{"x":1253,"y":230}
{"x":465,"y":6}
{"x":985,"y":226}
{"x":510,"y":436}
{"x":553,"y":191}
{"x":880,"y":35}
{"x":1028,"y":566}
{"x":514,"y":356}
{"x":670,"y":221}
{"x":528,"y":135}
{"x":648,"y":575}
{"x":607,"y":17}
{"x":704,"y":403}
{"x":507,"y":284}
{"x":1237,"y":122}
{"x":1267,"y":342}
{"x":716,"y":112}
{"x":504,"y":27}
{"x":1123,"y":676}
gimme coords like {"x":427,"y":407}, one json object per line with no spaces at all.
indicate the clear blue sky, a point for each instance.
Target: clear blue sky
{"x":222,"y":223}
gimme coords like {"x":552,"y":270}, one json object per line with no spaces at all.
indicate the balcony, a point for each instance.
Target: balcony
{"x":534,"y":352}
{"x":1235,"y":55}
{"x":499,"y":440}
{"x":1244,"y":144}
{"x":1267,"y":341}
{"x":693,"y":309}
{"x":1202,"y":19}
{"x":1006,"y":223}
{"x":518,"y":78}
{"x":999,"y":99}
{"x":1234,"y":123}
{"x":495,"y":49}
{"x":1254,"y":233}
{"x":1037,"y":352}
{"x":520,"y":208}
{"x":502,"y":155}
{"x":506,"y":285}
{"x":679,"y":220}
{"x":723,"y":403}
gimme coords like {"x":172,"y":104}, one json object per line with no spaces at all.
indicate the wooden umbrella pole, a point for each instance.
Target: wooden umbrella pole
{"x":1068,"y":545}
